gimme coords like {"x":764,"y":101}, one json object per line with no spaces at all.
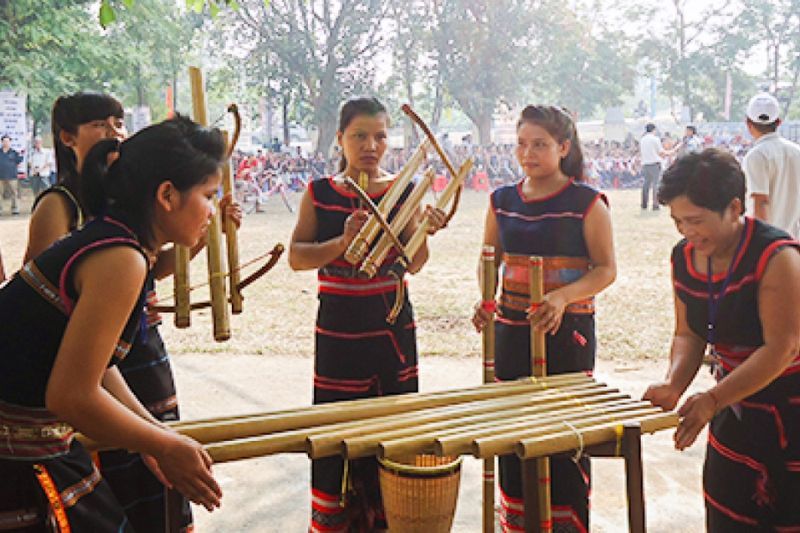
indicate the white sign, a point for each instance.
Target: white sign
{"x":12,"y":121}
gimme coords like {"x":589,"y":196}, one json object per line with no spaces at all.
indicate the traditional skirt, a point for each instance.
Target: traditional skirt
{"x":358,"y":355}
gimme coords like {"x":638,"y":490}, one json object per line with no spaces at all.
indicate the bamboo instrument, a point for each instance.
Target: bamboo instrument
{"x":539,"y":369}
{"x":219,"y":299}
{"x":375,"y":258}
{"x":488,"y":275}
{"x":231,"y":233}
{"x":360,"y":246}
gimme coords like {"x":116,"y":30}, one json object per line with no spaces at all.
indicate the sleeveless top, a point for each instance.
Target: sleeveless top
{"x":738,"y":328}
{"x":76,"y":213}
{"x":35,"y":306}
{"x":550,"y":227}
{"x":332,"y":205}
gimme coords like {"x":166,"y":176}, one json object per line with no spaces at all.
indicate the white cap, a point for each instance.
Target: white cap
{"x":763,"y":108}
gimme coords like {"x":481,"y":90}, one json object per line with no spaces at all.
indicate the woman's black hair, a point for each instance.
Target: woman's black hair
{"x":68,"y":113}
{"x":353,"y":108}
{"x":559,"y":124}
{"x":176,"y":150}
{"x":710,"y":179}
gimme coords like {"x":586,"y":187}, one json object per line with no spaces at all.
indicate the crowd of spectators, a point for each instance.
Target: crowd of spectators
{"x":608,"y":164}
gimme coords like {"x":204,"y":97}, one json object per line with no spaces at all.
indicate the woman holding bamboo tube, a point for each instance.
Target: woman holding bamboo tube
{"x":69,"y":315}
{"x":357,"y":354}
{"x":736,"y":285}
{"x":80,"y":121}
{"x":552,"y":214}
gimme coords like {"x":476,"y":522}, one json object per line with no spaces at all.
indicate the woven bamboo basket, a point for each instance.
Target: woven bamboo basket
{"x":420,"y":493}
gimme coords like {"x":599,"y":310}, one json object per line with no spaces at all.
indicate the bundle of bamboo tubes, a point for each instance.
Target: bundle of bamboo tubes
{"x":533,"y":417}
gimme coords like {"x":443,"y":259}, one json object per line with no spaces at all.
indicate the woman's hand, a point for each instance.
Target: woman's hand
{"x":696,"y":412}
{"x":230,"y":210}
{"x":484,"y":313}
{"x":547,"y":316}
{"x":662,"y":395}
{"x":186,"y":466}
{"x":437,"y":219}
{"x":352,"y":226}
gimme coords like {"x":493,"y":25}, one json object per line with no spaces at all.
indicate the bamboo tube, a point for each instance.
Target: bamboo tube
{"x":360,"y":245}
{"x":426,"y":441}
{"x":502,"y":443}
{"x":373,"y":261}
{"x":231,"y":239}
{"x":391,"y":443}
{"x":313,"y":417}
{"x":608,"y":432}
{"x":488,"y":275}
{"x":219,"y":299}
{"x":538,"y":369}
{"x":455,"y":184}
{"x":181,"y":287}
{"x":338,"y":411}
{"x":365,"y":440}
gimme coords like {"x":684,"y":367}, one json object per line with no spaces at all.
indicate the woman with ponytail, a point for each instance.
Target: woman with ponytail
{"x":71,"y":314}
{"x":552,"y":214}
{"x":80,"y":121}
{"x":357,"y":354}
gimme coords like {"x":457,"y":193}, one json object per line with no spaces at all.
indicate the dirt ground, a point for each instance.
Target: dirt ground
{"x":268,"y":365}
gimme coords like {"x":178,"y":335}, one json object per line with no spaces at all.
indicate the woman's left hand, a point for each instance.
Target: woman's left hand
{"x":437,"y":219}
{"x":548,"y":315}
{"x":230,"y":210}
{"x":696,"y":412}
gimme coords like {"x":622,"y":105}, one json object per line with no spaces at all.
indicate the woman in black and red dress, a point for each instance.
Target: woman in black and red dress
{"x":736,"y":283}
{"x":357,"y":354}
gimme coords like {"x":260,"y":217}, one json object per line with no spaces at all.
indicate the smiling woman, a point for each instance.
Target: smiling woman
{"x":732,"y":277}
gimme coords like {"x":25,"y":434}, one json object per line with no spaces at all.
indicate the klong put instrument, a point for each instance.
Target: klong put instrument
{"x":217,"y":274}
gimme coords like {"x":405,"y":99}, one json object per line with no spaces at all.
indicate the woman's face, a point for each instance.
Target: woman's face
{"x":90,"y":133}
{"x":539,"y":153}
{"x":709,"y":231}
{"x":190,"y":211}
{"x":364,"y":141}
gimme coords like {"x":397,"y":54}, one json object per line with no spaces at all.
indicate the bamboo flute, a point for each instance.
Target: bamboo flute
{"x":365,"y":442}
{"x":216,"y":276}
{"x":539,"y":369}
{"x":396,"y":442}
{"x":571,"y":440}
{"x":488,"y":275}
{"x":502,"y":444}
{"x":375,"y":258}
{"x":231,"y":237}
{"x":360,"y":245}
{"x":454,"y":186}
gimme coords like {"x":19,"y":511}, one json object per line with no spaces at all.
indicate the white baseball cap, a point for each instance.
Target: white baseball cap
{"x":763,"y":108}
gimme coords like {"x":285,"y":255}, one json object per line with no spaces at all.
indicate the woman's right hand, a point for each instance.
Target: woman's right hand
{"x":481,"y":317}
{"x":187,"y":467}
{"x":662,"y":395}
{"x":353,"y":225}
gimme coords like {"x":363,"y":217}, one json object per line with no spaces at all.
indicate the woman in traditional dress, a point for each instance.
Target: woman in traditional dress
{"x":736,"y":282}
{"x":79,"y":121}
{"x":357,"y":354}
{"x":69,"y":315}
{"x":550,"y":213}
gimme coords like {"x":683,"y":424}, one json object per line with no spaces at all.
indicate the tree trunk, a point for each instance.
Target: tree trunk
{"x":484,"y":124}
{"x":326,"y":126}
{"x":286,"y":137}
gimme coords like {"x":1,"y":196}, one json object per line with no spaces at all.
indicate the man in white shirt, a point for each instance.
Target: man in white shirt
{"x":772,"y":168}
{"x":41,"y":167}
{"x":651,"y":151}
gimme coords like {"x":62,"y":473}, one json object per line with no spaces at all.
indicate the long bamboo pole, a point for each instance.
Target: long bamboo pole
{"x":216,"y":276}
{"x":373,"y":261}
{"x":539,"y":369}
{"x":231,"y":239}
{"x":361,"y":243}
{"x":488,"y":275}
